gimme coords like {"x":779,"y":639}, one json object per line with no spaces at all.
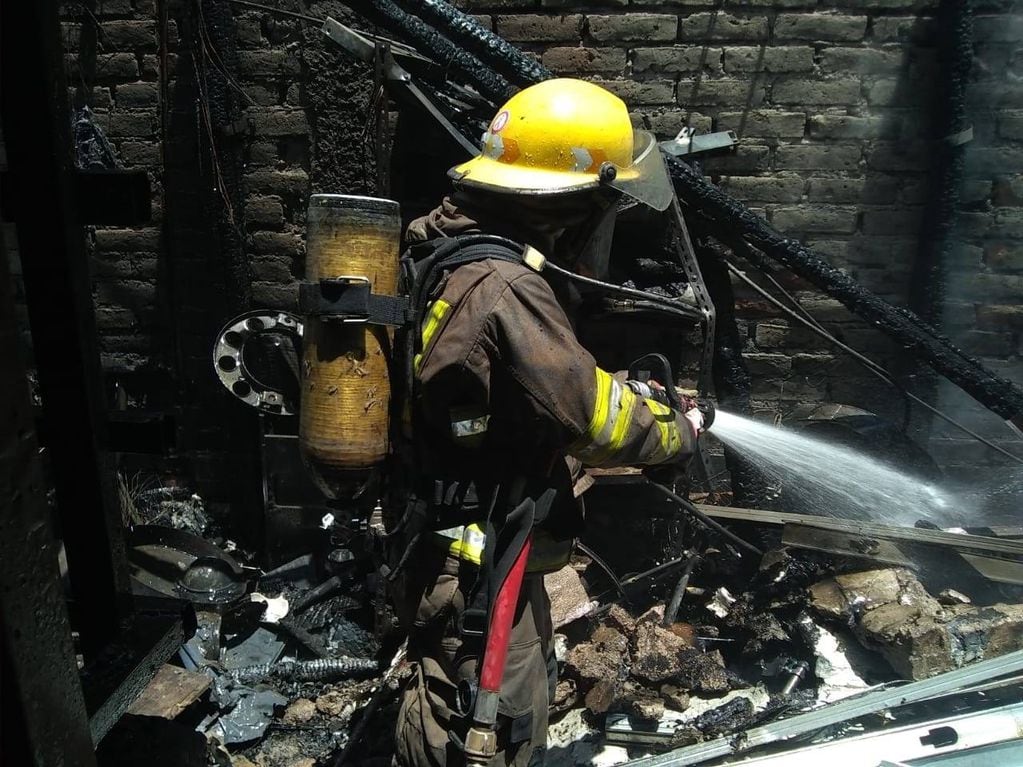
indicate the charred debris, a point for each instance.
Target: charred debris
{"x":301,"y":664}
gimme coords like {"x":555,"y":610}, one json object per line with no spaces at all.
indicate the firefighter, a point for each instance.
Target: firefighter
{"x":508,"y":405}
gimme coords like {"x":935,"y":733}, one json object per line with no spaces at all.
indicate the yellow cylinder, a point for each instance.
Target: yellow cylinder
{"x":346,"y":391}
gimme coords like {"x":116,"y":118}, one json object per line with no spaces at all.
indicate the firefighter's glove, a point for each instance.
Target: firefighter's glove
{"x":699,"y":413}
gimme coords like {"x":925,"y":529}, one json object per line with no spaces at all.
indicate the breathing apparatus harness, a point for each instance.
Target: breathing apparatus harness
{"x":511,"y":511}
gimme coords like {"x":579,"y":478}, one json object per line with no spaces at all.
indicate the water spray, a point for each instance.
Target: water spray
{"x":839,"y":481}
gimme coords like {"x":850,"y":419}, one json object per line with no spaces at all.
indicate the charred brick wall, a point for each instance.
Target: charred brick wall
{"x":832,"y":102}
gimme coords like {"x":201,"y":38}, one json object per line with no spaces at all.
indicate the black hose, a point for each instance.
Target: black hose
{"x":653,"y":571}
{"x":707,"y":521}
{"x":602,"y":565}
{"x":671,"y":611}
{"x":425,"y":38}
{"x":676,"y":307}
{"x":493,"y":50}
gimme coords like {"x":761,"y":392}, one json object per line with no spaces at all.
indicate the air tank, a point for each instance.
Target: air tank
{"x":345,"y":394}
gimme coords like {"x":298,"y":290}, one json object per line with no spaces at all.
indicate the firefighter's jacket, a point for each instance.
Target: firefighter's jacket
{"x":505,"y":389}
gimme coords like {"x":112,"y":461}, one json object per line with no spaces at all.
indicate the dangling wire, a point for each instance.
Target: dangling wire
{"x":210,"y":51}
{"x":207,"y":122}
{"x":868,"y":363}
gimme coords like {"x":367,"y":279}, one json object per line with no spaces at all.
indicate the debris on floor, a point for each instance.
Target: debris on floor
{"x":890,"y":611}
{"x":569,"y":600}
{"x":295,"y":666}
{"x":170,"y":692}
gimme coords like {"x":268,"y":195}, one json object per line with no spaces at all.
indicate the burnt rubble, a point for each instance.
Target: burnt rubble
{"x":804,"y":631}
{"x":296,"y":666}
{"x":301,"y":660}
{"x":288,"y":657}
{"x":891,"y":612}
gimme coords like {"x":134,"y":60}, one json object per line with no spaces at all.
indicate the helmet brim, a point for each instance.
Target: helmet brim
{"x":646,"y":180}
{"x":484,"y":172}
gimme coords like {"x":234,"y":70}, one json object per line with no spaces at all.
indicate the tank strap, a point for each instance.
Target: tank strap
{"x":350,"y":299}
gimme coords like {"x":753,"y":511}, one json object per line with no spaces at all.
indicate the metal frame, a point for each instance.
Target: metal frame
{"x":924,"y":740}
{"x":386,"y":68}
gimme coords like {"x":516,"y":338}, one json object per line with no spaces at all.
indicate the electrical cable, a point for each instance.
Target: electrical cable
{"x":276,"y":11}
{"x":868,"y":363}
{"x":658,"y":570}
{"x":792,"y":300}
{"x":396,"y":46}
{"x":663,"y":567}
{"x":706,"y":520}
{"x":207,"y":120}
{"x":676,"y":307}
{"x":214,"y":56}
{"x":601,"y":564}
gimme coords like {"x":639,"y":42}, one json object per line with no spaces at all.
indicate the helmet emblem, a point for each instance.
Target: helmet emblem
{"x":500,"y":121}
{"x":504,"y":150}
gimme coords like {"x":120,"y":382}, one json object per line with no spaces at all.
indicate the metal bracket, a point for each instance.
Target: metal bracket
{"x":399,"y":80}
{"x":687,"y":143}
{"x":691,"y":268}
{"x":229,"y":359}
{"x":350,"y":298}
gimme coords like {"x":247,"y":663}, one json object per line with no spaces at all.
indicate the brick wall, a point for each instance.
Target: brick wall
{"x":830,"y":100}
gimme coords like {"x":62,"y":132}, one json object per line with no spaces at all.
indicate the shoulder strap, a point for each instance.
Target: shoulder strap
{"x":424,"y":264}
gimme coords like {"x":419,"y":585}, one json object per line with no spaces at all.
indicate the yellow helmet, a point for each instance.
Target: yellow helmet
{"x":562,"y":136}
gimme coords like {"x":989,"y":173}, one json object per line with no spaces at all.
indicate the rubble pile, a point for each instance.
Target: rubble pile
{"x":918,"y":634}
{"x":283,"y":663}
{"x":288,"y":667}
{"x":800,"y":632}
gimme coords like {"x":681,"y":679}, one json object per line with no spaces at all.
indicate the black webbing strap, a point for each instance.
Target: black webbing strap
{"x":505,"y":538}
{"x":352,"y":300}
{"x":451,"y":253}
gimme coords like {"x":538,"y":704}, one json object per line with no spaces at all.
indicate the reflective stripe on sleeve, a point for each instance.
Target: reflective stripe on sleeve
{"x":670,"y":439}
{"x":434,"y":317}
{"x":466,"y":542}
{"x":609,"y":424}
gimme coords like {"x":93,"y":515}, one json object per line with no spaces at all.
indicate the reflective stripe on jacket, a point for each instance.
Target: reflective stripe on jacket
{"x":467,"y":542}
{"x":501,"y":369}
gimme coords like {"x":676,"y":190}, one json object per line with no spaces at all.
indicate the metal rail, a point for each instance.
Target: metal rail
{"x":850,"y":708}
{"x":870,"y":529}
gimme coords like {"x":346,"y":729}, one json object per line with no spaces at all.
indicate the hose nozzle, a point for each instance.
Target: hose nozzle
{"x":706,"y":406}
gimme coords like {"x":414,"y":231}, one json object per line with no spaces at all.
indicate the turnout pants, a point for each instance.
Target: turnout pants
{"x":431,"y":598}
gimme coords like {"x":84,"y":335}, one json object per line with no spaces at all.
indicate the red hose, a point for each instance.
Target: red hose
{"x":501,"y":621}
